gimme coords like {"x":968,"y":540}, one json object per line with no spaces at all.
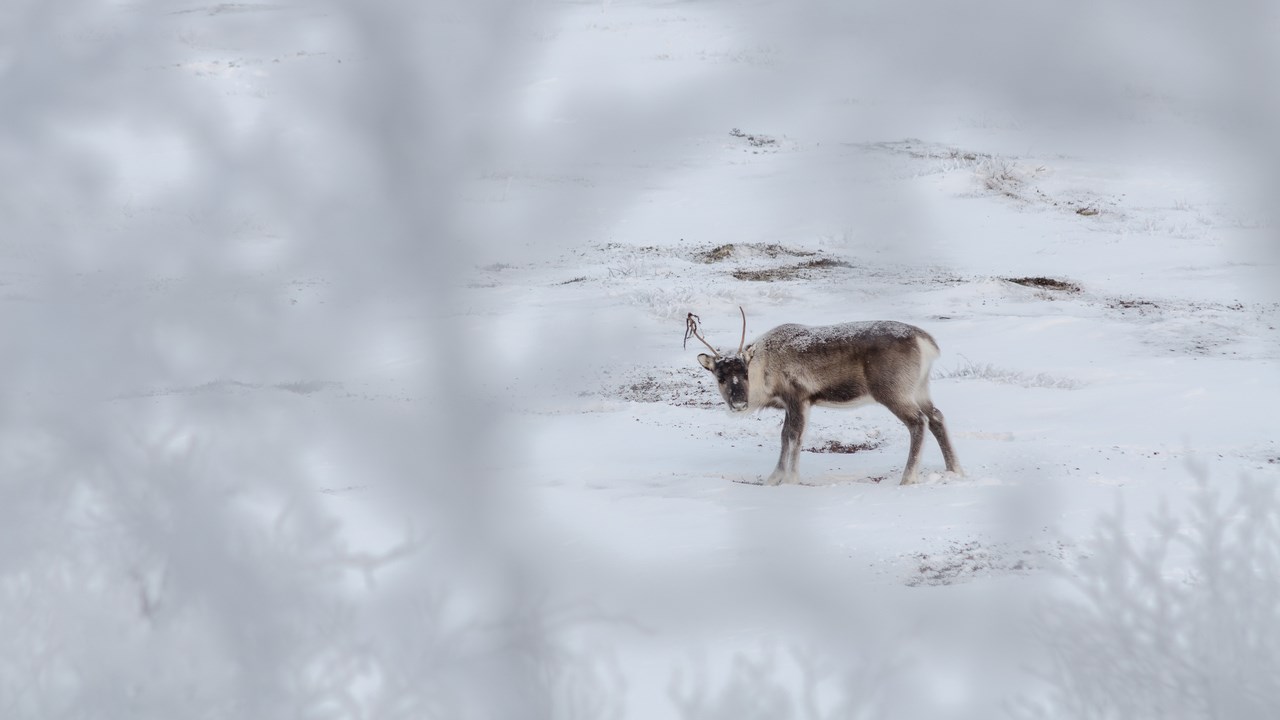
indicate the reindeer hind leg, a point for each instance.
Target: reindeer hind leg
{"x":911,"y":415}
{"x":938,"y":427}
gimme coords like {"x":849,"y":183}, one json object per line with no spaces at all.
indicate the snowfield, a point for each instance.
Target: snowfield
{"x":346,"y":379}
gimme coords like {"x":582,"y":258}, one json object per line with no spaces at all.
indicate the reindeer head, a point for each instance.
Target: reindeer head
{"x":730,"y":371}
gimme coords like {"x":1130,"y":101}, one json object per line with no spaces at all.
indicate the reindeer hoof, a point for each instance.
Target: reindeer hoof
{"x":776,"y":478}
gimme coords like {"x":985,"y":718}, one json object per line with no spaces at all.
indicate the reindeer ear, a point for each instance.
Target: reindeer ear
{"x":707,"y":361}
{"x":747,"y":352}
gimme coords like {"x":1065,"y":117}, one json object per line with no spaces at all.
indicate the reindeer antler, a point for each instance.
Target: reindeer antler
{"x":743,"y":341}
{"x":691,"y":330}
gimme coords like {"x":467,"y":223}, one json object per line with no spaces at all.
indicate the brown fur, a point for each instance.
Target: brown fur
{"x":794,"y":367}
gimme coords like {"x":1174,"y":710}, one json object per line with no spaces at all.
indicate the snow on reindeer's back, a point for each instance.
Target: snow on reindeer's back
{"x":803,"y":337}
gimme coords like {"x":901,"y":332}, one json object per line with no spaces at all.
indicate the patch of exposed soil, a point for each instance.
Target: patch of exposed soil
{"x":835,"y":446}
{"x":716,"y":254}
{"x":729,"y":251}
{"x":1045,"y":283}
{"x":755,"y":141}
{"x":1142,"y":307}
{"x":804,"y":270}
{"x":679,"y":387}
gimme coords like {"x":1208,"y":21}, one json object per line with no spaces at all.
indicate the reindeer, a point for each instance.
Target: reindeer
{"x":794,"y":367}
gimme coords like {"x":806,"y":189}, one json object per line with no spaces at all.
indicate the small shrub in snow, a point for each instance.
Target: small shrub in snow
{"x":1003,"y":176}
{"x":1136,"y":640}
{"x":811,"y":683}
{"x":987,"y":371}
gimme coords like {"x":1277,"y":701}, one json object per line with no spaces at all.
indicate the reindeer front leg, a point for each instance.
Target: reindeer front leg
{"x":792,"y":432}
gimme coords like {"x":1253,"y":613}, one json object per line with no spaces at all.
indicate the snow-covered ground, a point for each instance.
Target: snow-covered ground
{"x":345,"y":374}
